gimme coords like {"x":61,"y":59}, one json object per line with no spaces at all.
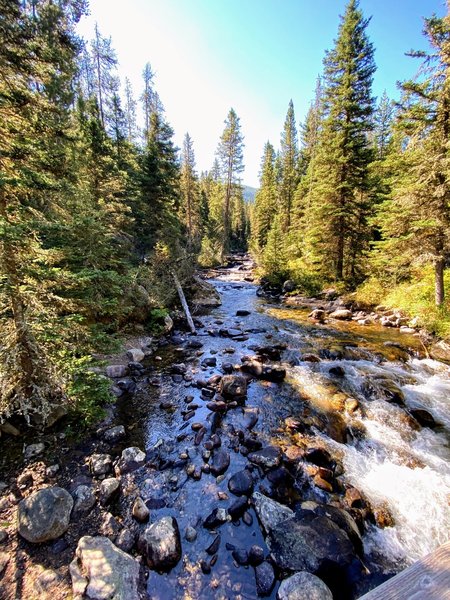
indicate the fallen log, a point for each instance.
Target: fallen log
{"x":184,"y":304}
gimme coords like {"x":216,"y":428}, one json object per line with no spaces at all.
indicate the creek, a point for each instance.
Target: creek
{"x":400,"y":468}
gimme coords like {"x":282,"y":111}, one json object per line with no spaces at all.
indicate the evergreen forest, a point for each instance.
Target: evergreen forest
{"x":99,"y":209}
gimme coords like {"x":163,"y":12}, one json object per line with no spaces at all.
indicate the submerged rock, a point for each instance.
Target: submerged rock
{"x":100,"y":571}
{"x":265,"y":579}
{"x":220,"y":462}
{"x":241,"y":483}
{"x":45,"y":515}
{"x":233,"y":386}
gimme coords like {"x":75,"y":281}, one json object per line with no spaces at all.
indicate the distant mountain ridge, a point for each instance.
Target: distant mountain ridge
{"x":249,"y":193}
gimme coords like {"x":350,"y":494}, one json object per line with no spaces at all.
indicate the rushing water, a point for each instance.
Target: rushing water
{"x":395,"y":463}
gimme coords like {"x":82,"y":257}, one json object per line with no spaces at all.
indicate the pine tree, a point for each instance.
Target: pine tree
{"x":130,"y":112}
{"x":289,"y":167}
{"x":265,"y":207}
{"x":104,"y":64}
{"x":415,"y":219}
{"x":189,"y":191}
{"x":37,"y":66}
{"x":230,"y":156}
{"x":338,"y":201}
{"x":382,"y":133}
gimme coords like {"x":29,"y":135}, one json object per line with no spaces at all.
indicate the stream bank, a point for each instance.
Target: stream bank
{"x":263,"y":424}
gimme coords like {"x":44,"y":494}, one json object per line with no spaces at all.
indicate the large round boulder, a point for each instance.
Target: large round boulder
{"x":45,"y":515}
{"x":303,"y":586}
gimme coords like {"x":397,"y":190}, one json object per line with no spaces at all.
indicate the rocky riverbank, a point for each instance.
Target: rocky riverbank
{"x":212,"y":479}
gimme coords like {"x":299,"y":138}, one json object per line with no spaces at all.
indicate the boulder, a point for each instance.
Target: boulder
{"x":312,"y":543}
{"x":100,"y":571}
{"x":270,"y":513}
{"x":342,"y":314}
{"x":303,"y":586}
{"x":233,"y":386}
{"x":423,"y":417}
{"x":116,"y":371}
{"x":288,"y":286}
{"x":161,"y":544}
{"x":131,"y":459}
{"x":135,"y":355}
{"x":44,"y":515}
{"x":267,"y":458}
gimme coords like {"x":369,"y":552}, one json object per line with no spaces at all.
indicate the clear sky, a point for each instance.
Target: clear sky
{"x":252,"y":55}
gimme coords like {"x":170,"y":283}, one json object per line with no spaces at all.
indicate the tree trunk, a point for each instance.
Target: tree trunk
{"x":184,"y":304}
{"x":439,"y":292}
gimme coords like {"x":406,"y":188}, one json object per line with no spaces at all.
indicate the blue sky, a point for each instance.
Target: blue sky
{"x":252,"y":55}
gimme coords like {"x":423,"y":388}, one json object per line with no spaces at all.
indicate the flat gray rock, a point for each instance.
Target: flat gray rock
{"x":100,"y":571}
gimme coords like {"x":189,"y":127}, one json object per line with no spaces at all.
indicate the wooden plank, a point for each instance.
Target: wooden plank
{"x":426,"y":579}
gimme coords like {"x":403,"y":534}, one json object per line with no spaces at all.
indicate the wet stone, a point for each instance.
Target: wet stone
{"x":255,"y":555}
{"x":214,"y":546}
{"x":100,"y":464}
{"x":161,"y":544}
{"x":131,"y":459}
{"x":247,"y":519}
{"x":210,"y":361}
{"x":240,"y":555}
{"x":238,"y":507}
{"x":140,"y":511}
{"x":241,"y":483}
{"x":125,"y":540}
{"x":265,"y":579}
{"x":303,"y":586}
{"x":220,"y":461}
{"x":114,"y":434}
{"x":268,"y":458}
{"x":190,"y":534}
{"x":216,"y":518}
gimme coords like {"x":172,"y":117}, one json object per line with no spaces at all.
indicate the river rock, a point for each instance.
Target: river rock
{"x":109,"y":490}
{"x":178,"y":369}
{"x":267,"y":458}
{"x":342,"y":314}
{"x":34,"y":450}
{"x":233,"y":386}
{"x":190,"y":534}
{"x":288,"y":286}
{"x":270,"y":513}
{"x":318,"y":315}
{"x":135,"y":355}
{"x":344,"y":521}
{"x":216,"y":518}
{"x":44,"y":515}
{"x":310,"y":543}
{"x":241,"y":483}
{"x":114,"y":434}
{"x":220,"y":461}
{"x":238,"y":508}
{"x":125,"y":540}
{"x":209,"y":361}
{"x":161,"y":544}
{"x":255,"y":555}
{"x":265,"y":578}
{"x":100,"y":464}
{"x":266,"y":372}
{"x":84,"y":497}
{"x":423,"y":417}
{"x":303,"y":586}
{"x":116,"y":371}
{"x":243,"y":313}
{"x":131,"y":459}
{"x":100,"y":571}
{"x":140,"y":511}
